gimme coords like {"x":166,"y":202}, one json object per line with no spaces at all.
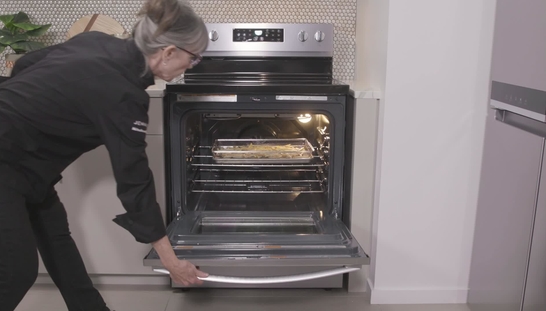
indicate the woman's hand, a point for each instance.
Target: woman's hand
{"x":182,"y":271}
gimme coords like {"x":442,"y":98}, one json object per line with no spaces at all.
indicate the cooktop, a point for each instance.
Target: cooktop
{"x":245,"y":84}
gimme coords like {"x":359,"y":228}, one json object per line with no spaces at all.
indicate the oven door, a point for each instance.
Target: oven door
{"x":261,"y":239}
{"x":257,"y":218}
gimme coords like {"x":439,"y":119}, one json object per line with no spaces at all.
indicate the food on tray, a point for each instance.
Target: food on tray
{"x":253,"y":151}
{"x":262,"y":151}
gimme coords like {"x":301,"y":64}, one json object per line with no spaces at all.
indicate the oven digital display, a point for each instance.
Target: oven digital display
{"x":258,"y":35}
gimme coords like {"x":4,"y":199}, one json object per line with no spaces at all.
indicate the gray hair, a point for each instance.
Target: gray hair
{"x":169,"y":22}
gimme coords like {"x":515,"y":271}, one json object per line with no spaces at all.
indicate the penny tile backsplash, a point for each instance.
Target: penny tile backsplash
{"x":341,"y":13}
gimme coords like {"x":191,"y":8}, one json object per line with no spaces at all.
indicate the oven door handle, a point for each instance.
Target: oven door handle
{"x":273,"y":279}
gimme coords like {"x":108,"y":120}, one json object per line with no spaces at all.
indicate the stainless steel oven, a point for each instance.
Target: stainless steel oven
{"x":258,"y":160}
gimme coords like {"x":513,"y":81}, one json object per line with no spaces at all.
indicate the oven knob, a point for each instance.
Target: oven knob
{"x":319,"y":36}
{"x":213,"y":35}
{"x":303,"y":36}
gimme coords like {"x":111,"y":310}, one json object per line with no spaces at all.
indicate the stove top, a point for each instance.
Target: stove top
{"x":257,"y":79}
{"x":245,"y":84}
{"x":265,"y":58}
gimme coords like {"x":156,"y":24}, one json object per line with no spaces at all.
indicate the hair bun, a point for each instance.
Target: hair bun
{"x":163,"y":13}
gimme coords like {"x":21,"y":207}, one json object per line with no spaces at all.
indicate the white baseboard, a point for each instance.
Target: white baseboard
{"x":103,"y":279}
{"x":417,"y":296}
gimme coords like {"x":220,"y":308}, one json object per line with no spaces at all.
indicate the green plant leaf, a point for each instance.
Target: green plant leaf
{"x":6,"y":19}
{"x":26,"y":46}
{"x":20,"y":17}
{"x":39,"y":31}
{"x":10,"y":39}
{"x":26,"y":26}
{"x":5,"y":32}
{"x":2,"y":48}
{"x":11,"y":29}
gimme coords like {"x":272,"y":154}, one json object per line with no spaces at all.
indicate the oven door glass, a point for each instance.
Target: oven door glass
{"x":260,"y":190}
{"x":263,"y":239}
{"x":296,"y":240}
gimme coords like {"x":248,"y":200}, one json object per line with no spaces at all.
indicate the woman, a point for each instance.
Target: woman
{"x":63,"y":101}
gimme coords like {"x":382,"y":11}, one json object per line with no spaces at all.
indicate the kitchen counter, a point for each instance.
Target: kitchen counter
{"x":362,"y":90}
{"x":158,"y":89}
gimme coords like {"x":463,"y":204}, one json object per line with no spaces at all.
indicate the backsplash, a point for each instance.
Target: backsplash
{"x":341,"y":13}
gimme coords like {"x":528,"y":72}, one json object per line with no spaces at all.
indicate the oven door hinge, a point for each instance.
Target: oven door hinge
{"x":178,"y":211}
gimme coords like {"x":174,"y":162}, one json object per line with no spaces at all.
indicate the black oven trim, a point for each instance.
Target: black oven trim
{"x":175,"y":110}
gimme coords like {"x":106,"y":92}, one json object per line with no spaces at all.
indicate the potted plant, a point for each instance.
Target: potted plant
{"x":17,"y":34}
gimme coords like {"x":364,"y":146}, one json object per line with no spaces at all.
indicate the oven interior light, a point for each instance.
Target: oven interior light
{"x":305,"y":118}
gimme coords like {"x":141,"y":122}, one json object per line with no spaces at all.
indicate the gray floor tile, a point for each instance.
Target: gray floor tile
{"x":499,"y":307}
{"x":42,"y":298}
{"x":136,"y":298}
{"x":224,"y":292}
{"x":431,"y":307}
{"x":121,"y":298}
{"x":262,"y":302}
{"x":160,"y":298}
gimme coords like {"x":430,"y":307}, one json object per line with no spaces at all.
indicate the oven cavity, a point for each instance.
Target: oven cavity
{"x":251,"y":162}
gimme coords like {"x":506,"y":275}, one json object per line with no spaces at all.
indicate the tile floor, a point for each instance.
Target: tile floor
{"x":159,"y":298}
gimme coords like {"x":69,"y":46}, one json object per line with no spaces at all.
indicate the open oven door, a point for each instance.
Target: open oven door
{"x":264,"y":242}
{"x":261,"y":217}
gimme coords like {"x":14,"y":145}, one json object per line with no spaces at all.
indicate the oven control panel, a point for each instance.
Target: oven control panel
{"x":272,"y":40}
{"x":258,"y":35}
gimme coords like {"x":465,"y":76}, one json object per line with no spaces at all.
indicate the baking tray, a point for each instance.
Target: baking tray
{"x":252,"y":151}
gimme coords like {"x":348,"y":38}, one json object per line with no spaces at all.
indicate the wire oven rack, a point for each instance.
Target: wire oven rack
{"x":212,"y":177}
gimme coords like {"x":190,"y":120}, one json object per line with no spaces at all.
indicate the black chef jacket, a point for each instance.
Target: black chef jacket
{"x":67,"y":99}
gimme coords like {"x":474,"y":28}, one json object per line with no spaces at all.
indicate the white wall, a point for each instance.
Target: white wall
{"x":432,"y":120}
{"x":371,"y":42}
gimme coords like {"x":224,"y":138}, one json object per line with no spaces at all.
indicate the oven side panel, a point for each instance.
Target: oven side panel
{"x":167,"y":123}
{"x":349,"y":142}
{"x":348,"y":161}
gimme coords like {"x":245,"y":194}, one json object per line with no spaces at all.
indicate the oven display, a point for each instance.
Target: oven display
{"x":258,"y":35}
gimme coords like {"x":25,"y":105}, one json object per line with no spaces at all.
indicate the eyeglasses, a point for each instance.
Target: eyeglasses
{"x":195,"y":59}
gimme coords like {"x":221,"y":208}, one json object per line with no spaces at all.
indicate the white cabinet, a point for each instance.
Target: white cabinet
{"x":364,"y":157}
{"x":88,"y":191}
{"x":155,"y":115}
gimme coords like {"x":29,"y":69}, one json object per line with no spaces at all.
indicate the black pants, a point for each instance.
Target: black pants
{"x":26,"y":227}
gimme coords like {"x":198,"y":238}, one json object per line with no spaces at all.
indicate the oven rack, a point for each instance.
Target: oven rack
{"x":202,"y":157}
{"x":260,"y":181}
{"x":258,"y":188}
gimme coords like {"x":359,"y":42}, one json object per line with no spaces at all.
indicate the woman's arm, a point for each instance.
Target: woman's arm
{"x":30,"y":59}
{"x":181,"y":271}
{"x":122,"y":127}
